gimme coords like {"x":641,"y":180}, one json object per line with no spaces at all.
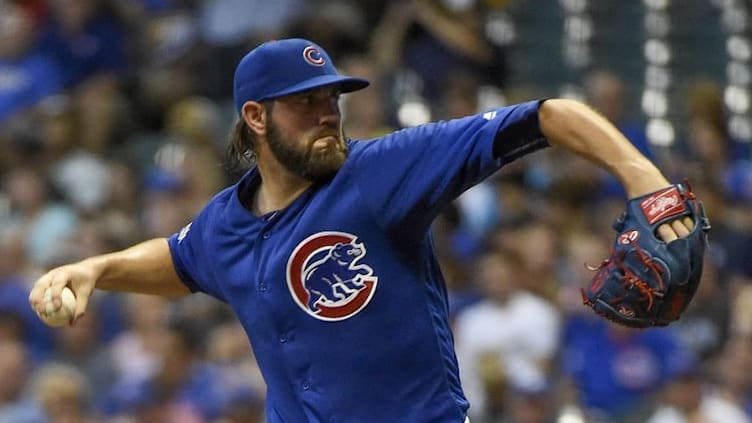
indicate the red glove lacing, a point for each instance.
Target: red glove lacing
{"x":630,"y":279}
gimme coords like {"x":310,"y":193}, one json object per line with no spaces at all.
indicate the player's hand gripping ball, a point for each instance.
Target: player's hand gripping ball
{"x":646,"y":281}
{"x":60,"y":316}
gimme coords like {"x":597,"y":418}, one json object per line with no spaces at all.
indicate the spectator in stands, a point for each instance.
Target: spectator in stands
{"x":192,"y":128}
{"x":616,"y":370}
{"x":530,"y":404}
{"x":712,"y":160}
{"x":63,"y":394}
{"x":85,"y":39}
{"x":136,"y":350}
{"x":693,"y":396}
{"x":81,"y":176}
{"x":27,"y":75}
{"x":45,"y":223}
{"x":17,"y":324}
{"x":435,"y":39}
{"x":705,"y":325}
{"x":93,"y":91}
{"x":227,"y":27}
{"x":87,"y":43}
{"x":183,"y":388}
{"x":15,"y":366}
{"x":494,"y":357}
{"x":365,"y":117}
{"x":79,"y":347}
{"x":605,"y":91}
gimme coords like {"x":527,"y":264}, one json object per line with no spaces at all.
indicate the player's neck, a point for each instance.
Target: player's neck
{"x":278,"y":189}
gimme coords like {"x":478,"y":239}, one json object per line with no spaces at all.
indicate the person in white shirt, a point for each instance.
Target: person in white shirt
{"x":506,"y":339}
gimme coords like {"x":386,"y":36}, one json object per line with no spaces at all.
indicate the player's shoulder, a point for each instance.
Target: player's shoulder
{"x":393,"y":139}
{"x":222,"y":198}
{"x":360,"y":148}
{"x":225,"y":202}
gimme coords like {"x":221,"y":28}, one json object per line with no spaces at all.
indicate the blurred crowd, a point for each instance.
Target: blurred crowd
{"x":114,"y":116}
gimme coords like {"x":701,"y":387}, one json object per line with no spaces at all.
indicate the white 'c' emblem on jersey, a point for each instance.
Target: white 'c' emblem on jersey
{"x":326,"y":278}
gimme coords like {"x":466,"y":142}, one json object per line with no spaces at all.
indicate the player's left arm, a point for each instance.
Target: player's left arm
{"x":582,"y":131}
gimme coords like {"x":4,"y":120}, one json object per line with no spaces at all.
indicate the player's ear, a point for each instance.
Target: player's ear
{"x":254,"y":115}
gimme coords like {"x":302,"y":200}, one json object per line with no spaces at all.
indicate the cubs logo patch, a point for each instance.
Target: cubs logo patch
{"x":326,"y":278}
{"x":313,"y":56}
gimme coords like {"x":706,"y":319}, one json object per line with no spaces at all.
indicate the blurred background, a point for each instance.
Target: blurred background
{"x":114,"y":116}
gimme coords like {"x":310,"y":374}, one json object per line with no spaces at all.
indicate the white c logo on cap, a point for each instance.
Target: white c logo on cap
{"x":313,"y":56}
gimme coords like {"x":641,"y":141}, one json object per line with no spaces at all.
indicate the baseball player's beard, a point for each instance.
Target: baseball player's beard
{"x":315,"y":166}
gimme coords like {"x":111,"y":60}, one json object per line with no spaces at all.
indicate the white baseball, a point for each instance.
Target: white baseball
{"x":61,"y":316}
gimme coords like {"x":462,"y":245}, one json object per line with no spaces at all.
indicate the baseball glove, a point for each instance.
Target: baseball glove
{"x":646,"y":281}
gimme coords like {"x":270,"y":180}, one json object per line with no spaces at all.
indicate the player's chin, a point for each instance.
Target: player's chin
{"x":332,"y":158}
{"x":323,"y":167}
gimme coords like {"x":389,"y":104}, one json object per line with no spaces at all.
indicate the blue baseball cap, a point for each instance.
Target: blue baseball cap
{"x":283,"y":67}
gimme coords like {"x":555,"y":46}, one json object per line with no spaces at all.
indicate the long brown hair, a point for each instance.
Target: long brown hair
{"x":241,"y":152}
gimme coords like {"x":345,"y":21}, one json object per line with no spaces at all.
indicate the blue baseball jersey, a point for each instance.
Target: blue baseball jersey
{"x":340,"y":293}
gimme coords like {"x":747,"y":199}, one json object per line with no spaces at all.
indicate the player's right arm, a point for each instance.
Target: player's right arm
{"x":145,"y":268}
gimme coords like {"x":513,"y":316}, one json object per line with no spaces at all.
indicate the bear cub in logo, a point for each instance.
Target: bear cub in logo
{"x":335,"y":277}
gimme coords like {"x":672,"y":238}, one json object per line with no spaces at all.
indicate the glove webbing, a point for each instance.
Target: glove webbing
{"x":629,"y":279}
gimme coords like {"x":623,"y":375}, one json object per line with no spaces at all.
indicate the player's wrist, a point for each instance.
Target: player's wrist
{"x":94,"y":268}
{"x":640,"y":178}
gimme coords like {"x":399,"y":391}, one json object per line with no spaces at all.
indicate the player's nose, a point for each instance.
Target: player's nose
{"x":329,"y":113}
{"x":329,"y":117}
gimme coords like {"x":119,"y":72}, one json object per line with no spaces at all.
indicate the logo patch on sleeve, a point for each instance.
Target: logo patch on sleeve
{"x":184,"y":232}
{"x":325,"y":276}
{"x":662,"y":205}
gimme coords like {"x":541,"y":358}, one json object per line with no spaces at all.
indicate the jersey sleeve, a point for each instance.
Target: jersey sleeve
{"x":410,"y":175}
{"x":191,"y":257}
